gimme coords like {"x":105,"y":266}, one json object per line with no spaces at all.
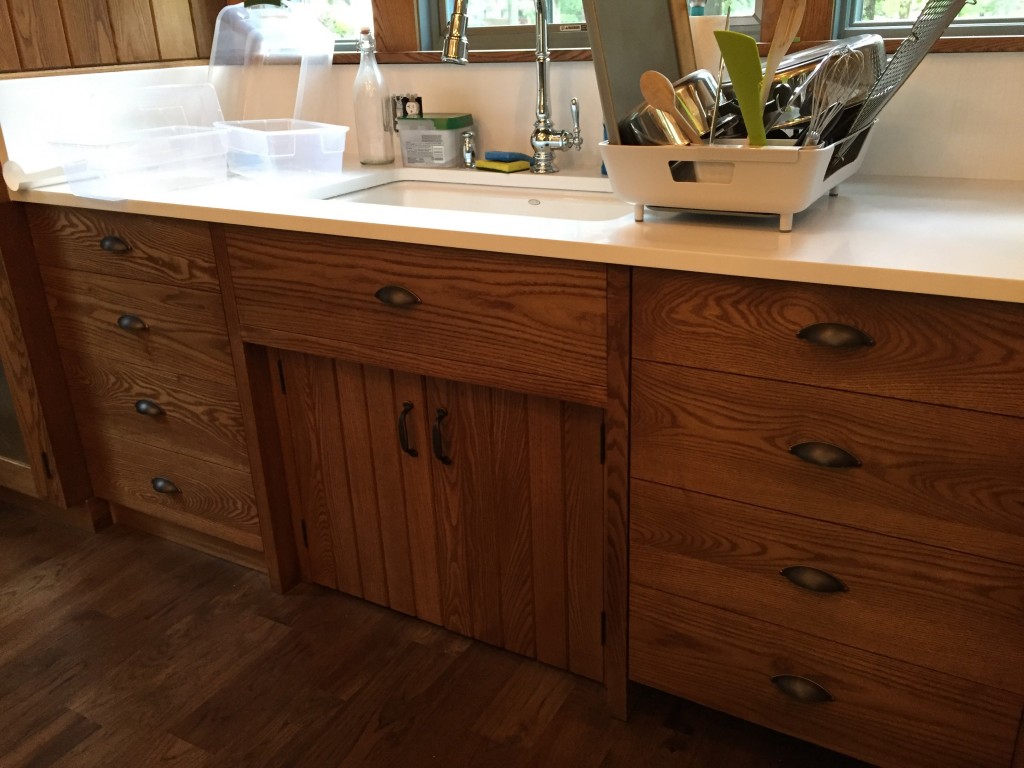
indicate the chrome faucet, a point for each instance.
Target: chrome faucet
{"x":545,"y":138}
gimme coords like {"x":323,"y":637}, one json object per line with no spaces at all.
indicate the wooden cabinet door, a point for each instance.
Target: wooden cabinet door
{"x":474,"y":508}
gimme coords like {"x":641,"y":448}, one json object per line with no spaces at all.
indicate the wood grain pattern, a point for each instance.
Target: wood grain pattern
{"x":214,"y":500}
{"x":394,"y":25}
{"x":935,"y":349}
{"x":204,"y":22}
{"x":166,"y":251}
{"x":884,"y":711}
{"x":816,"y":26}
{"x":934,"y":475}
{"x":186,"y":328}
{"x":89,"y":32}
{"x":9,"y":60}
{"x":134,"y":31}
{"x":175,"y":36}
{"x":39,"y":34}
{"x":525,"y":324}
{"x":926,"y":606}
{"x":200,"y":417}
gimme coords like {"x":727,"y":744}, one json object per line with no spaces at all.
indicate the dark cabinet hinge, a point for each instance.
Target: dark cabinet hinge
{"x":305,"y":535}
{"x":280,"y":376}
{"x":45,"y":459}
{"x":603,"y":451}
{"x":604,"y":627}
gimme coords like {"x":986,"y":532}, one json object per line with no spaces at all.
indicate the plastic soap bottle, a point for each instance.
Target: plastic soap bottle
{"x":375,"y":128}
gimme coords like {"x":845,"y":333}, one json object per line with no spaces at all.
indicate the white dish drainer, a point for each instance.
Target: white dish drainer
{"x":779,"y":179}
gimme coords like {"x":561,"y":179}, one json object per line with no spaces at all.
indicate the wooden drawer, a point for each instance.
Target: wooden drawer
{"x":952,"y":612}
{"x":886,"y":712}
{"x":178,"y":412}
{"x":934,"y":349}
{"x":186,"y":329}
{"x":211,"y":498}
{"x":936,"y":475}
{"x":155,"y":250}
{"x":526,"y":324}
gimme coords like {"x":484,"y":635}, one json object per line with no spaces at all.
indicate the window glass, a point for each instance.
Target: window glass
{"x":496,"y":13}
{"x":892,"y":18}
{"x":346,"y":17}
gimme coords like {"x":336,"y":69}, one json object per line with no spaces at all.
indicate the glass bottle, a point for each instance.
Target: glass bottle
{"x":375,"y":127}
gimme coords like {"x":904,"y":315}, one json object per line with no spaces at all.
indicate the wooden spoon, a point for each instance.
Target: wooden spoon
{"x":791,"y":16}
{"x":660,"y":94}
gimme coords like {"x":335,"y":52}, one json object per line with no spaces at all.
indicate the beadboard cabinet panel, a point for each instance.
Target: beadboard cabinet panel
{"x":175,"y":35}
{"x":9,"y":60}
{"x":89,"y":32}
{"x":39,"y":34}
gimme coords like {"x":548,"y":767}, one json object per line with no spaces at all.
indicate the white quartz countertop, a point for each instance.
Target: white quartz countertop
{"x":950,"y":237}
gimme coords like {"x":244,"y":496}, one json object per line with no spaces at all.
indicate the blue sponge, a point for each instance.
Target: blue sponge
{"x":506,"y":157}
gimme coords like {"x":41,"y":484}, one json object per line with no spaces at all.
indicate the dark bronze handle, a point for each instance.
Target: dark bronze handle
{"x":397,"y":296}
{"x":131,"y":323}
{"x":148,"y":408}
{"x":835,"y":335}
{"x":802,"y":689}
{"x":813,"y":579}
{"x":163,"y":485}
{"x":114,"y":244}
{"x":824,"y":455}
{"x":437,"y":439}
{"x":403,"y":430}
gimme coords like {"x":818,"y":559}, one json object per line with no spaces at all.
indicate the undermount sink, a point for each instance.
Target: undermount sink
{"x":536,"y":202}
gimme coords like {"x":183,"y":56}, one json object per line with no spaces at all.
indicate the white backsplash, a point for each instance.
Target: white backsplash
{"x":954,"y":118}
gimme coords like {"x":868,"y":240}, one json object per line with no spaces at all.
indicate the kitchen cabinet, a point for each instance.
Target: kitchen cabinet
{"x":494,"y":370}
{"x":825,"y":514}
{"x":142,"y":334}
{"x":40,"y":451}
{"x":474,"y":508}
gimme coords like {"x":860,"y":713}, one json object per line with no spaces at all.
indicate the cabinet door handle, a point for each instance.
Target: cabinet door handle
{"x":824,"y":455}
{"x":132,"y":323}
{"x":438,"y":440}
{"x":163,"y":485}
{"x":148,"y":408}
{"x":813,"y":579}
{"x":802,"y":689}
{"x":835,"y":335}
{"x":403,"y":430}
{"x":397,"y":296}
{"x":114,"y":244}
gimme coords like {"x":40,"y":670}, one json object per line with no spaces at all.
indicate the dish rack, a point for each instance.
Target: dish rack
{"x":779,"y":179}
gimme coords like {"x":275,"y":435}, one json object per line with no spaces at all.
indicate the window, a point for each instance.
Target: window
{"x":346,"y":17}
{"x":892,"y":18}
{"x":503,"y":24}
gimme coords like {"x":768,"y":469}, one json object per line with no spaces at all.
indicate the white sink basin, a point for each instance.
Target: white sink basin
{"x":537,"y":202}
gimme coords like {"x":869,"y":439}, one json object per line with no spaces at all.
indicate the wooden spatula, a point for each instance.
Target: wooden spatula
{"x":791,"y":16}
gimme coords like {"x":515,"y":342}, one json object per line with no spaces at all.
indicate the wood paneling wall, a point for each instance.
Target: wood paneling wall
{"x":54,"y":34}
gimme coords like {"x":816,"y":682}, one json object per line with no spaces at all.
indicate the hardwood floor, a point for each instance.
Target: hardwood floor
{"x":119,"y":649}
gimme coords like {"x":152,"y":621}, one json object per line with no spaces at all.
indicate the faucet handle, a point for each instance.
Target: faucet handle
{"x":574,"y":112}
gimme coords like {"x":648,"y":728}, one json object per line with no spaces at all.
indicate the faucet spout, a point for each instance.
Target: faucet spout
{"x":545,"y":139}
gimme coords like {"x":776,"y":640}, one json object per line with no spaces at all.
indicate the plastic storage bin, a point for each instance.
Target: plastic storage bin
{"x":284,"y":147}
{"x":142,"y":141}
{"x":433,"y":140}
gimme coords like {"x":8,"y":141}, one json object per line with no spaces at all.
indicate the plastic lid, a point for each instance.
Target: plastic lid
{"x":441,"y":120}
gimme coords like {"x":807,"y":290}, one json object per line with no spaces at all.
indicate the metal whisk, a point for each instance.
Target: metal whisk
{"x":836,"y":82}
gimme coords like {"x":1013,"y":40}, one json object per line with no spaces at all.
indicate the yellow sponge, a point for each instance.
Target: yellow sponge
{"x":494,"y":165}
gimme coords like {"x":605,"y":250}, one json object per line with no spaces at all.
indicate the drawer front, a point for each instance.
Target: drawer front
{"x":949,"y":351}
{"x":927,"y":606}
{"x":185,"y":330}
{"x":177,"y":412}
{"x":166,"y":251}
{"x":883,"y":711}
{"x":210,"y":498}
{"x":529,"y":324}
{"x":940,"y":476}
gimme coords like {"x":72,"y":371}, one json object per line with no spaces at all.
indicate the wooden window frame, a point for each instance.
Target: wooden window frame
{"x":397,"y":25}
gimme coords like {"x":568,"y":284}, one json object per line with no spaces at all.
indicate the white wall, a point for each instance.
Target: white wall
{"x":959,"y":115}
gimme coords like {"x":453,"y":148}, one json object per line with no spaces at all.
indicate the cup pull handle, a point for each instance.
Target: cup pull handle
{"x":163,"y":485}
{"x":802,"y":689}
{"x":824,"y":455}
{"x":835,"y":335}
{"x":114,"y":244}
{"x":397,"y":296}
{"x":813,"y":579}
{"x":148,"y":408}
{"x":131,"y":323}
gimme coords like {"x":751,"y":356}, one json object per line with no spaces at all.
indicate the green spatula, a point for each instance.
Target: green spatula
{"x":740,"y":54}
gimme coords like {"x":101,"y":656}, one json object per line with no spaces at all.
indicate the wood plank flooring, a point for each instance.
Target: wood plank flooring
{"x":119,"y":649}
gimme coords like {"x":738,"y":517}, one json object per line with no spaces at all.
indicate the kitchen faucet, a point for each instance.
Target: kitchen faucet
{"x":545,"y":138}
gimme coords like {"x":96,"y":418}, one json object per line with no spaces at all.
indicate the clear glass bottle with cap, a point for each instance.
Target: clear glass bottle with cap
{"x":375,"y":128}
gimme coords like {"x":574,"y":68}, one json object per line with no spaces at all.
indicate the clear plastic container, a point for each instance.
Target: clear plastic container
{"x":284,"y":147}
{"x":142,"y":140}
